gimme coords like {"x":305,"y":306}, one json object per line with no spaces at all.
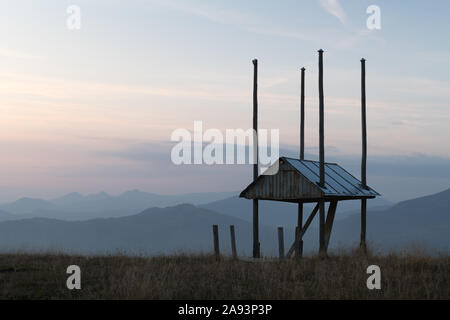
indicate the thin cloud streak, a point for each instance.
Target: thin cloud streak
{"x":334,"y":8}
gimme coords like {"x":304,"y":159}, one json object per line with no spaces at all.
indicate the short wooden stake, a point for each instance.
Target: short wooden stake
{"x":280,"y":242}
{"x":233,"y":242}
{"x":216,"y":241}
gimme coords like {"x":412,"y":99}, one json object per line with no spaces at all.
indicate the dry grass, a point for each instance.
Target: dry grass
{"x":343,"y":276}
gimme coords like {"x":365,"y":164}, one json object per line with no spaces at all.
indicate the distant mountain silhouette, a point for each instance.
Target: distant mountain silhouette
{"x":6,"y":216}
{"x":439,"y":203}
{"x":27,"y":205}
{"x":75,"y":206}
{"x":423,"y":221}
{"x":180,"y":228}
{"x":68,"y":199}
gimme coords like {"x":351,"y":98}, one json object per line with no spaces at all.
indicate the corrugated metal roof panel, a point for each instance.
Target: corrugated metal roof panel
{"x":314,"y":169}
{"x":338,"y":181}
{"x":332,"y":172}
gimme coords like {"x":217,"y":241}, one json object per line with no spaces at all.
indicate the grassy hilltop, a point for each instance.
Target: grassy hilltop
{"x":43,"y":276}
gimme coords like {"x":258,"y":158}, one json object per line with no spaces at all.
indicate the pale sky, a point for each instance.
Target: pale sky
{"x":93,"y":109}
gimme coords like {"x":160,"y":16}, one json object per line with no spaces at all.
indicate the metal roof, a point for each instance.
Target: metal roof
{"x":338,"y":181}
{"x":298,"y":180}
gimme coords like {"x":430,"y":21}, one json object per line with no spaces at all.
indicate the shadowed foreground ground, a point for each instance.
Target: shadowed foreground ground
{"x":43,"y":276}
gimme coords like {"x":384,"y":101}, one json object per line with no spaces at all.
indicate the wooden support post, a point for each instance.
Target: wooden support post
{"x":363,"y":123}
{"x":329,"y":223}
{"x":363,"y":245}
{"x":321,"y":155}
{"x":322,"y":250}
{"x":302,"y":116}
{"x":364,"y":154}
{"x":299,"y":242}
{"x":216,"y":241}
{"x":280,"y":243}
{"x":305,"y":227}
{"x":321,"y":123}
{"x":299,"y":248}
{"x":256,"y":245}
{"x":233,"y":242}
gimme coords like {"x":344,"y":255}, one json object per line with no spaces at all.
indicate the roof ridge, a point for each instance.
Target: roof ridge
{"x":290,"y":158}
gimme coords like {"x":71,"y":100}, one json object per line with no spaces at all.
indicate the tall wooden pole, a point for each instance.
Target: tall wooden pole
{"x":321,"y":155}
{"x":302,"y":156}
{"x":302,"y":116}
{"x":364,"y":154}
{"x":256,"y":246}
{"x":363,"y":122}
{"x":321,"y":122}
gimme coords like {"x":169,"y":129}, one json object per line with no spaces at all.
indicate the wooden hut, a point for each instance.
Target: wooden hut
{"x":298,"y":181}
{"x":304,"y":181}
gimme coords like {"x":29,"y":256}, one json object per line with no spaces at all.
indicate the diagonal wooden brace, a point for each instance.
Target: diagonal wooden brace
{"x":302,"y":232}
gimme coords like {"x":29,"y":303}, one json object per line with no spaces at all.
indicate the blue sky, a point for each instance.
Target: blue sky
{"x":78,"y":106}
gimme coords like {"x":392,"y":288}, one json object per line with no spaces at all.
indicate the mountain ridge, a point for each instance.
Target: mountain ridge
{"x":75,"y":206}
{"x":186,"y":227}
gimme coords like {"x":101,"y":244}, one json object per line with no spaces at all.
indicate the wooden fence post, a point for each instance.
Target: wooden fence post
{"x":233,"y":242}
{"x":216,"y":241}
{"x":280,"y":243}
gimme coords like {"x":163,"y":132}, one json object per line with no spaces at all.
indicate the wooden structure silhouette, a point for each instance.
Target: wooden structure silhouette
{"x":304,"y":181}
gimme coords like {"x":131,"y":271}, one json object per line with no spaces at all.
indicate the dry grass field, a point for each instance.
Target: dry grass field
{"x":343,"y":276}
